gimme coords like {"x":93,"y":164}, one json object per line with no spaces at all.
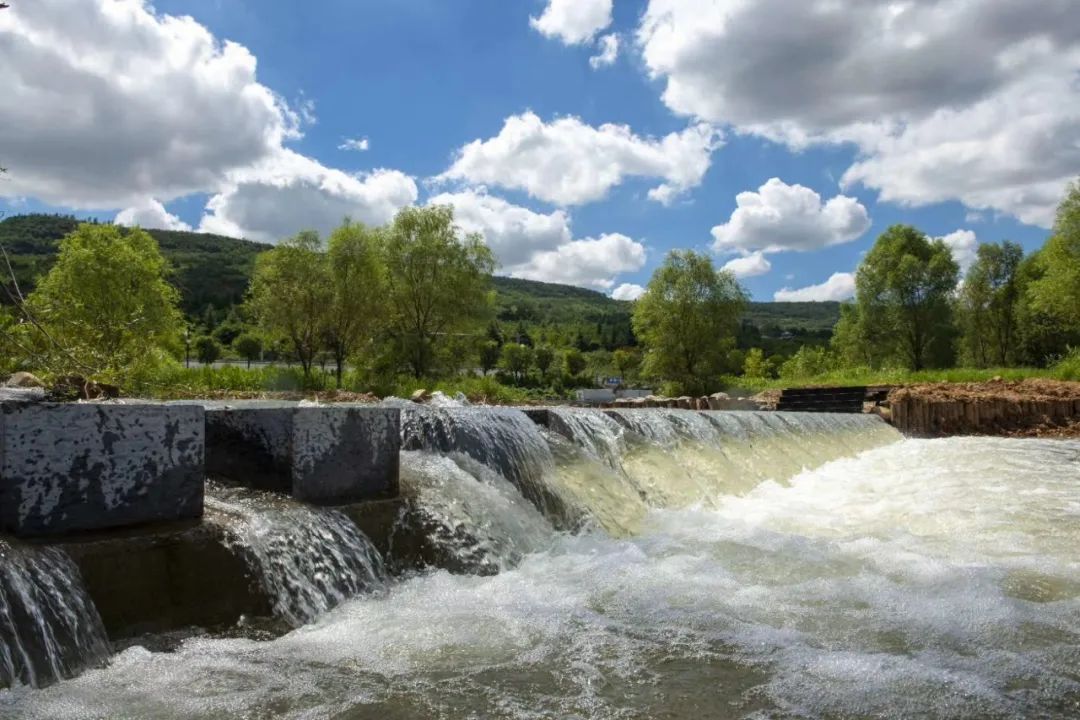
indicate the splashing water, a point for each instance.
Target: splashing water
{"x":49,"y":628}
{"x":308,"y":560}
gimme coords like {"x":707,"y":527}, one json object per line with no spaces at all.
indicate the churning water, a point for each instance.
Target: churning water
{"x":721,"y":565}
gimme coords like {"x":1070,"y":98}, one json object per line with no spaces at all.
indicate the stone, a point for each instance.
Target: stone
{"x":326,"y":455}
{"x":24,"y":380}
{"x":421,"y":396}
{"x":75,"y":467}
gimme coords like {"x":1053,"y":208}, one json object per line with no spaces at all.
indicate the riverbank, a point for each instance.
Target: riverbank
{"x":1020,"y":408}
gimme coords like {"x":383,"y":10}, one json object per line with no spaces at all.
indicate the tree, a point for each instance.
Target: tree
{"x":249,"y":347}
{"x":357,"y":284}
{"x":290,"y":294}
{"x":988,"y":304}
{"x":687,"y":320}
{"x":437,"y":284}
{"x":207,"y":349}
{"x":1057,"y":292}
{"x":754,"y":366}
{"x":573,"y":362}
{"x":516,"y":359}
{"x":106,"y":307}
{"x":543,"y":357}
{"x":903,"y":289}
{"x":626,"y":362}
{"x":489,"y":355}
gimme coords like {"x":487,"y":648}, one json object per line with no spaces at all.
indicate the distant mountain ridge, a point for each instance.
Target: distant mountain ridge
{"x":214,"y":270}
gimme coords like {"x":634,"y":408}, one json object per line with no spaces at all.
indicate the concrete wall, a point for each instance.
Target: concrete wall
{"x":326,"y":455}
{"x":75,"y":467}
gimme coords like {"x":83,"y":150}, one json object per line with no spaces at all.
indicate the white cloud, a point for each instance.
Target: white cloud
{"x":573,"y":21}
{"x":291,"y":192}
{"x":750,"y":265}
{"x":781,"y":217}
{"x":969,"y":100}
{"x":628,"y":291}
{"x":567,"y":162}
{"x":355,"y":144}
{"x":513,"y":233}
{"x":963,"y":244}
{"x":839,"y":286}
{"x":592,"y":262}
{"x":106,"y":103}
{"x":609,"y":52}
{"x":150,"y":214}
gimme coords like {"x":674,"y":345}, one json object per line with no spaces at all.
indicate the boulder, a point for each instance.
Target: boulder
{"x":703,"y":403}
{"x":687,"y":403}
{"x":24,"y":380}
{"x":421,"y":396}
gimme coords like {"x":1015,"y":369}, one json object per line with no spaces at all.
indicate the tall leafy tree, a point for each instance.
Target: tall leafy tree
{"x":1057,"y":291}
{"x":988,"y":303}
{"x":687,"y":319}
{"x":357,"y":287}
{"x":106,"y":307}
{"x":438,"y":283}
{"x":903,"y":289}
{"x":290,"y":294}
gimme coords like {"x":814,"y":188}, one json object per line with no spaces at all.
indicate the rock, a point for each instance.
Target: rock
{"x":420,"y":396}
{"x":687,"y":403}
{"x":703,"y":403}
{"x":24,"y":380}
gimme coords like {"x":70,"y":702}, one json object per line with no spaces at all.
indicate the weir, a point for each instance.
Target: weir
{"x":480,"y":488}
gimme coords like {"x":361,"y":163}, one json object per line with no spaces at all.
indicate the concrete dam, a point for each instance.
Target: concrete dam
{"x":277,"y":560}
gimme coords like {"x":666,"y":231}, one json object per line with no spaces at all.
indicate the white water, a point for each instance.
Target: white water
{"x":918,"y":579}
{"x":49,"y":628}
{"x":308,"y":560}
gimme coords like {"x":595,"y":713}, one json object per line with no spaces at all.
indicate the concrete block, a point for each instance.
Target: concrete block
{"x":327,"y":455}
{"x":74,"y":467}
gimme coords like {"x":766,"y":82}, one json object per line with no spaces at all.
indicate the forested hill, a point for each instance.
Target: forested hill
{"x":213,"y":270}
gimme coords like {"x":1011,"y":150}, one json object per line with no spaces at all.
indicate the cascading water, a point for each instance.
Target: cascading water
{"x":749,"y":565}
{"x":49,"y":627}
{"x":308,"y":560}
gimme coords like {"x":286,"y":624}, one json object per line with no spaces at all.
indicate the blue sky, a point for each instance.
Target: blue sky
{"x":838,"y":124}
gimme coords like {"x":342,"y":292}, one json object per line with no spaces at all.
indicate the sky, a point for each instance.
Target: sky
{"x":584,"y":139}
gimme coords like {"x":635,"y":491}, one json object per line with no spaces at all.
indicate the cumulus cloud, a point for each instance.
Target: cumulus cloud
{"x":969,"y":100}
{"x":591,"y":262}
{"x":355,"y":144}
{"x":839,"y":286}
{"x":627,"y":291}
{"x":150,"y":214}
{"x":573,"y":21}
{"x":964,"y":245}
{"x":291,"y":192}
{"x":748,"y":266}
{"x":567,"y":162}
{"x":513,"y":233}
{"x":781,"y":217}
{"x":608,"y":46}
{"x":108,"y":103}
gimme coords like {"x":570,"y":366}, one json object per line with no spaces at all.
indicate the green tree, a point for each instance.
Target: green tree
{"x":687,"y":319}
{"x":902,"y":292}
{"x":754,"y":366}
{"x":516,"y":359}
{"x":489,"y":355}
{"x":988,"y":304}
{"x":249,"y":347}
{"x":290,"y":294}
{"x":437,"y":284}
{"x":626,"y":362}
{"x":357,"y":285}
{"x":574,"y":362}
{"x":207,"y":349}
{"x":106,"y":307}
{"x":1057,"y":291}
{"x":543,"y":357}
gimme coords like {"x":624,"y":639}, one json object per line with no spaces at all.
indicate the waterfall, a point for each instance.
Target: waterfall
{"x":309,"y":560}
{"x":49,"y":627}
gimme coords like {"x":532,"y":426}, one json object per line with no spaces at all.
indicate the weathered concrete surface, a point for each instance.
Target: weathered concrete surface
{"x":327,"y":455}
{"x":166,"y":579}
{"x":75,"y":467}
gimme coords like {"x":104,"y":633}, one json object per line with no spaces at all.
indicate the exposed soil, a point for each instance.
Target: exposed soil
{"x":1018,"y":390}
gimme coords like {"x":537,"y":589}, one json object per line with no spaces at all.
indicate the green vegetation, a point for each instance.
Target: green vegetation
{"x":413,"y":305}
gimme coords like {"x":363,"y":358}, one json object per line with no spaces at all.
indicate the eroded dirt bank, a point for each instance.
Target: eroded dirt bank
{"x":1027,"y":408}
